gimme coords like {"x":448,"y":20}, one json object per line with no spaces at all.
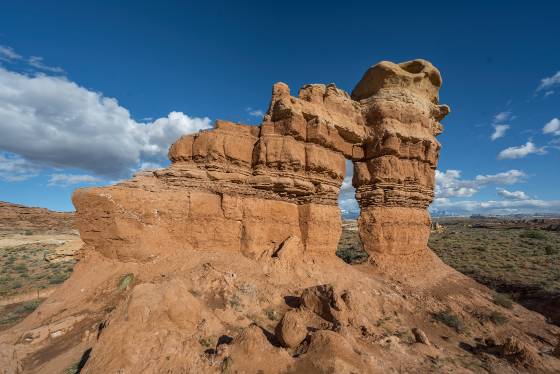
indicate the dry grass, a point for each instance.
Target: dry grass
{"x":13,"y":313}
{"x":499,"y":257}
{"x":24,"y":269}
{"x":520,"y":263}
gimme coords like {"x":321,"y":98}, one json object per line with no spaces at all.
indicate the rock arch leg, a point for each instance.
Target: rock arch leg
{"x":395,"y":179}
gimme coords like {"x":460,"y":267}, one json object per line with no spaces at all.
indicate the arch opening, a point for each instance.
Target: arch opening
{"x":350,"y":247}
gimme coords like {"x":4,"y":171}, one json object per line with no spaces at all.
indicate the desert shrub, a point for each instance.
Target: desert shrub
{"x":28,"y":232}
{"x":352,"y":255}
{"x":226,"y":364}
{"x":28,"y":306}
{"x":20,"y":268}
{"x":533,"y":234}
{"x":72,"y":369}
{"x":57,"y":278}
{"x":206,"y":342}
{"x":125,"y":281}
{"x":5,"y":279}
{"x":498,"y":318}
{"x":550,"y":250}
{"x":502,"y":300}
{"x":16,"y":285}
{"x":235,"y":301}
{"x":450,"y":319}
{"x":271,"y":314}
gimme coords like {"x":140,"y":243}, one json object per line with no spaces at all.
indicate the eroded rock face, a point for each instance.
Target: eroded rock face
{"x":250,"y":188}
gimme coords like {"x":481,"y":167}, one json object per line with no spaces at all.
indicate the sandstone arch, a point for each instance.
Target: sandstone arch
{"x":249,"y":188}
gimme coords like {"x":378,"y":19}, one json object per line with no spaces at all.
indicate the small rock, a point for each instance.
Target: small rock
{"x":326,"y":303}
{"x":292,"y":329}
{"x":420,"y":336}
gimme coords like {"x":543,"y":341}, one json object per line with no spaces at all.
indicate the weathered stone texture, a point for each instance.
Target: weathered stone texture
{"x":249,"y":188}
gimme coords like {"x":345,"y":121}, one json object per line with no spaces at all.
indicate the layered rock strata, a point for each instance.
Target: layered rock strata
{"x":396,"y":177}
{"x":249,"y":188}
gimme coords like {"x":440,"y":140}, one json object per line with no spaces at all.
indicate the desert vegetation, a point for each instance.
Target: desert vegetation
{"x":521,"y":263}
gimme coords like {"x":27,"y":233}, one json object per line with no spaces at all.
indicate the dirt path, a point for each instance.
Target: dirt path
{"x":18,"y":239}
{"x":37,"y":294}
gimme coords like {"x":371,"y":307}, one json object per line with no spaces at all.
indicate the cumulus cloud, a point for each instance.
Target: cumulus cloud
{"x":499,"y":131}
{"x":65,"y":180}
{"x":514,"y":195}
{"x":37,"y":62}
{"x":549,"y":82}
{"x":347,"y":197}
{"x":450,"y":184}
{"x":54,"y":122}
{"x":521,"y":151}
{"x":495,"y":206}
{"x":15,"y":169}
{"x":552,"y":127}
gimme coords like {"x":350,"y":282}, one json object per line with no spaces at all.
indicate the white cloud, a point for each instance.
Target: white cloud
{"x":496,"y":207}
{"x":37,"y":62}
{"x":549,"y":82}
{"x":15,"y":169}
{"x":503,"y":116}
{"x":57,"y":123}
{"x":254,"y":112}
{"x":149,"y":166}
{"x":552,"y":127}
{"x":507,"y":177}
{"x":65,"y":180}
{"x":8,"y":54}
{"x":499,"y":131}
{"x":521,"y":151}
{"x":450,"y":184}
{"x":347,"y":197}
{"x":548,"y":93}
{"x":514,"y":195}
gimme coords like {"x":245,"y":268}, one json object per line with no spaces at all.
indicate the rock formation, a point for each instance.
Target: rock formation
{"x":249,"y":188}
{"x":224,"y":262}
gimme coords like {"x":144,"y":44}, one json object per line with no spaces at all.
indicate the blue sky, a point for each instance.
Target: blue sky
{"x":90,"y":92}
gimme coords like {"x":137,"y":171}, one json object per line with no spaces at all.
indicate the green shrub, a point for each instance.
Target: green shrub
{"x":533,"y":234}
{"x":16,"y":285}
{"x":28,"y":232}
{"x":352,"y":255}
{"x":226,"y":365}
{"x":271,"y":314}
{"x":20,"y":268}
{"x":57,"y":278}
{"x":449,"y":319}
{"x":72,"y":369}
{"x":502,"y":300}
{"x":28,"y":306}
{"x":550,"y":250}
{"x":125,"y":281}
